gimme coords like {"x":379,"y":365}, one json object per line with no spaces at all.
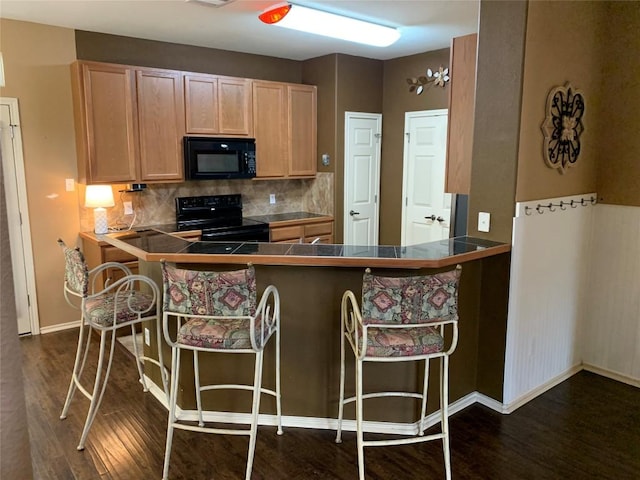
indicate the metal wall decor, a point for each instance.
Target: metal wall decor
{"x":562,"y":127}
{"x":438,"y":79}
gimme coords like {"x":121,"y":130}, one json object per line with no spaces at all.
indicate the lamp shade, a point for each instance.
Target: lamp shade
{"x":98,"y":196}
{"x":309,"y":20}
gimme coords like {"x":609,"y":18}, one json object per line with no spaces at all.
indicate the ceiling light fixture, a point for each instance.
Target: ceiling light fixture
{"x":308,"y":20}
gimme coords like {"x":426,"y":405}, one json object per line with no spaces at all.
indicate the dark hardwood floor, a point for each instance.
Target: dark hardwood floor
{"x":586,"y":428}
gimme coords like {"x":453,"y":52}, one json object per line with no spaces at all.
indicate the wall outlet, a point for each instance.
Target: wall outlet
{"x":272,"y":198}
{"x":484,"y":221}
{"x":69,"y":184}
{"x":147,"y":337}
{"x":128,"y":208}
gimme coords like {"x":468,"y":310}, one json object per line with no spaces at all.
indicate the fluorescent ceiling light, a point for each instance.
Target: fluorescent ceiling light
{"x":328,"y":24}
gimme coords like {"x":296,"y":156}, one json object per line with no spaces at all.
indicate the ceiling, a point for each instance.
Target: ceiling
{"x":425,"y":25}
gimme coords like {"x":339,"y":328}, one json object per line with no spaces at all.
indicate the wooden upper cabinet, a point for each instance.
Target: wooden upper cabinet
{"x":285,"y":127}
{"x":161,"y":125}
{"x":302,"y":119}
{"x":270,"y":128}
{"x":217,"y":105}
{"x":106,"y":122}
{"x":129,"y":123}
{"x":461,"y":113}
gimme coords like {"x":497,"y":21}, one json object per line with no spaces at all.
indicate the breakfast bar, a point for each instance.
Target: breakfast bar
{"x":311,"y":279}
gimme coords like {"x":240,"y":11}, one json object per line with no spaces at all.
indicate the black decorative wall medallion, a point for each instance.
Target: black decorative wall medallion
{"x":562,"y":127}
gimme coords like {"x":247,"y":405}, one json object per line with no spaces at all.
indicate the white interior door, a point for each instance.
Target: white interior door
{"x":363,"y":134}
{"x":13,"y":179}
{"x":426,"y":208}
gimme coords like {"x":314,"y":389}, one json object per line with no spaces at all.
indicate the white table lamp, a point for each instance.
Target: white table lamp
{"x":98,"y":197}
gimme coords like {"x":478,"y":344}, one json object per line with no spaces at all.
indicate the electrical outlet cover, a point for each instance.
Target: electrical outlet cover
{"x":128,"y":208}
{"x":484,"y":221}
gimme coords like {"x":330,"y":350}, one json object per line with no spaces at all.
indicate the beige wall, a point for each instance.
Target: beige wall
{"x":618,"y":142}
{"x":562,"y":45}
{"x":36,"y":62}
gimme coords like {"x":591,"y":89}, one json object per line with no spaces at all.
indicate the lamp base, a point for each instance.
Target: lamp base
{"x":100,"y":225}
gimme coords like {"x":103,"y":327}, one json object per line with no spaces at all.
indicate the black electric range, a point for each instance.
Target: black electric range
{"x":220,"y":219}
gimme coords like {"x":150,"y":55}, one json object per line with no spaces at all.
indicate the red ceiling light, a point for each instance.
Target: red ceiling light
{"x":275,"y":13}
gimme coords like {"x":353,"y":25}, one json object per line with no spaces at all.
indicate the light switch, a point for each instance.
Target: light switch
{"x":272,"y":198}
{"x":484,"y":221}
{"x":69,"y":184}
{"x":128,"y":208}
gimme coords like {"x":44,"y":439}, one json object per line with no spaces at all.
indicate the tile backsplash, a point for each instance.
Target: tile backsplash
{"x":156,"y":204}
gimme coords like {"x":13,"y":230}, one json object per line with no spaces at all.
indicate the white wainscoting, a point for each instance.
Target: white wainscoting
{"x":549,"y":267}
{"x":611,"y":334}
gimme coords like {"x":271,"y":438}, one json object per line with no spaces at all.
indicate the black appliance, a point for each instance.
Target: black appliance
{"x":207,"y":158}
{"x":220,"y":219}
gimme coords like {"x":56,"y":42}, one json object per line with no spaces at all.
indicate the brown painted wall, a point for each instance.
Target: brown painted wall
{"x":560,"y":47}
{"x":149,"y":53}
{"x":497,"y":116}
{"x":396,"y":101}
{"x":618,"y":141}
{"x":359,"y":89}
{"x":322,"y":72}
{"x":36,"y":64}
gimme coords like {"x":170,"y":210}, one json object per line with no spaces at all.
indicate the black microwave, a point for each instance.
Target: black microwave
{"x":207,"y":158}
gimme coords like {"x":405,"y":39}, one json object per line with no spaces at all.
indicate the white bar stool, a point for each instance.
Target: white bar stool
{"x":401,"y":319}
{"x":217,"y":312}
{"x":119,"y":304}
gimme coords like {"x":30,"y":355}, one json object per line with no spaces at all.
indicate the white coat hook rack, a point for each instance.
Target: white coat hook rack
{"x":562,"y":205}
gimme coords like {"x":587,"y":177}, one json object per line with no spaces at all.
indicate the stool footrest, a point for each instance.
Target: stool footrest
{"x":223,"y":431}
{"x":403,"y":441}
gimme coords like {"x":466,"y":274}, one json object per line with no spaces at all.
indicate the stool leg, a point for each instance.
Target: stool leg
{"x":99,"y":385}
{"x":444,"y":409}
{"x":255,"y":410}
{"x":425,"y":391}
{"x":341,"y":400}
{"x":78,"y":366}
{"x":196,"y":376}
{"x":173,"y":394}
{"x":278,"y":394}
{"x":136,"y":354}
{"x":360,"y":434}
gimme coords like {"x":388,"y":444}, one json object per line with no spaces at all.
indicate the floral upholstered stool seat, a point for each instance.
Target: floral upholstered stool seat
{"x":122,"y":303}
{"x":401,"y":319}
{"x":218,"y":312}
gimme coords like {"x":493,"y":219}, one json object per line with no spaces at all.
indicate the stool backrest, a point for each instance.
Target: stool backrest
{"x":195,"y":292}
{"x":412,"y":299}
{"x":76,"y":272}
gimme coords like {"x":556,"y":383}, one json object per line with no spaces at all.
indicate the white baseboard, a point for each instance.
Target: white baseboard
{"x":635,"y":382}
{"x":59,"y":327}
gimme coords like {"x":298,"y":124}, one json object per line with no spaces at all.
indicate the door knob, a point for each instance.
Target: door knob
{"x":353,"y":212}
{"x":440,"y":219}
{"x":432,"y":218}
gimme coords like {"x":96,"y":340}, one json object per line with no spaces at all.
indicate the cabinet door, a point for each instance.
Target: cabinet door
{"x":161,"y":124}
{"x":201,"y":104}
{"x":106,"y":128}
{"x":302,"y":130}
{"x":269,"y":127}
{"x":461,"y":112}
{"x":234,"y":106}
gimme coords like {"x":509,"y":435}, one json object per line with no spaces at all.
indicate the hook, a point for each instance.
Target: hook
{"x":550,"y":207}
{"x":527,"y":210}
{"x":573,"y":204}
{"x":562,"y":205}
{"x":539,"y":209}
{"x":594,"y":200}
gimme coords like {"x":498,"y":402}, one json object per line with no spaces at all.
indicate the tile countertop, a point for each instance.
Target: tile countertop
{"x":281,"y":219}
{"x":154,"y":245}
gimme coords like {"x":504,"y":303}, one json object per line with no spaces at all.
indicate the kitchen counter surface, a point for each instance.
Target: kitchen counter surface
{"x":282,"y":219}
{"x":154,"y":245}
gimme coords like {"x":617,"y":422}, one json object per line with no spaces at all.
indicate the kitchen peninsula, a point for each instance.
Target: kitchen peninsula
{"x":311,"y":279}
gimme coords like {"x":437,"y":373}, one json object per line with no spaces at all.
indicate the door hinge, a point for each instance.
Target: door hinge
{"x":11,"y":127}
{"x":408,"y":137}
{"x":378,"y":136}
{"x":28,"y":300}
{"x":375,"y":199}
{"x":20,"y":217}
{"x":406,"y":201}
